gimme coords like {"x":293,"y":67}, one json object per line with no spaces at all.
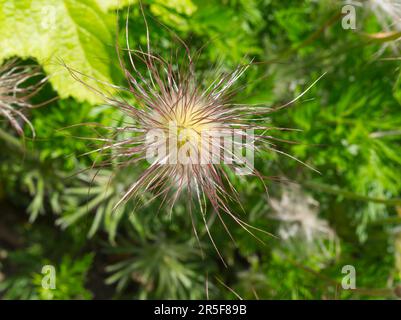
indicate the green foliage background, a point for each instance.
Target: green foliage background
{"x":349,"y":123}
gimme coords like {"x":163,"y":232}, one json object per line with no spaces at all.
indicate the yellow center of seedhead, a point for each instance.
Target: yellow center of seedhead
{"x":187,"y":121}
{"x":187,"y":126}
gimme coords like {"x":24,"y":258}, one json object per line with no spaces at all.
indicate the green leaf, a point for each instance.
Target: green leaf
{"x":158,"y":7}
{"x":106,"y":5}
{"x":72,"y":31}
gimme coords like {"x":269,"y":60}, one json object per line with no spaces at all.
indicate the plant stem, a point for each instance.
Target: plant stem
{"x":16,"y":145}
{"x":351,"y":195}
{"x":11,"y":141}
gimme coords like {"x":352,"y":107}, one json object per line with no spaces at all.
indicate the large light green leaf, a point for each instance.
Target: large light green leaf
{"x":76,"y":32}
{"x":169,"y":11}
{"x":114,"y":4}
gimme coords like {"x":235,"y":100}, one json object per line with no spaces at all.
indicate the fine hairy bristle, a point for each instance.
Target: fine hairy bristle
{"x":188,"y":129}
{"x":16,"y":92}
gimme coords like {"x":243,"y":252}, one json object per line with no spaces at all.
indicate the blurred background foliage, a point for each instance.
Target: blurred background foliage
{"x":53,"y":212}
